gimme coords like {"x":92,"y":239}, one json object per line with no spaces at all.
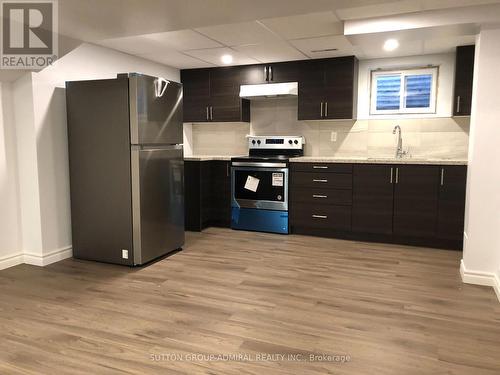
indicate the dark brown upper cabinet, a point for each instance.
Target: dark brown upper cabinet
{"x":212,"y":95}
{"x":464,"y":72}
{"x":328,"y":89}
{"x":270,"y":73}
{"x":196,"y":94}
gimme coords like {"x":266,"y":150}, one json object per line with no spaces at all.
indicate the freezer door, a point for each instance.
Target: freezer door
{"x":155,"y":110}
{"x":157,"y":201}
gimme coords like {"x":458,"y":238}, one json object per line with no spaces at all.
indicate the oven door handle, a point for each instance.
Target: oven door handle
{"x":258,"y":164}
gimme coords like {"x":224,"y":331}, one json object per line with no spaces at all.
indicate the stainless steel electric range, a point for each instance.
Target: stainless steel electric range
{"x":259,"y":183}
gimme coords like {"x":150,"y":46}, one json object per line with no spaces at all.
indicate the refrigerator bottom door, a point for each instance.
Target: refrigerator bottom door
{"x":157,"y":201}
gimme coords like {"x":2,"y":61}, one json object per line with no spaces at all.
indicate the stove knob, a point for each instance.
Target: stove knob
{"x":296,"y":142}
{"x":290,"y":141}
{"x":253,"y":141}
{"x":258,"y":142}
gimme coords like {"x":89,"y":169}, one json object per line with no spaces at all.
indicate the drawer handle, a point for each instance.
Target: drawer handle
{"x":317,"y":180}
{"x":320,"y":167}
{"x":319,"y":196}
{"x":320,"y":217}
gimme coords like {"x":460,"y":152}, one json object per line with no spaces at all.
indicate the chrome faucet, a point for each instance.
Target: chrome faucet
{"x":399,"y":152}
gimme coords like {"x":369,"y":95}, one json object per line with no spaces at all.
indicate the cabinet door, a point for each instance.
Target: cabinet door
{"x":252,"y":74}
{"x":284,"y":72}
{"x":416,"y":200}
{"x":196,"y":94}
{"x":310,"y":104}
{"x":225,"y":102}
{"x":339,"y":91}
{"x":464,"y":71}
{"x":372,"y":202}
{"x":226,"y":109}
{"x":451,"y":208}
{"x":220,"y":194}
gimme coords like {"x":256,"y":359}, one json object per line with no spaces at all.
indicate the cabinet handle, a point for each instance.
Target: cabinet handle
{"x":392,"y":169}
{"x":320,"y":167}
{"x":319,"y":196}
{"x":320,"y":180}
{"x":458,"y":104}
{"x":321,"y":110}
{"x":211,"y":113}
{"x":208,"y":116}
{"x":266,"y":76}
{"x":271,"y":73}
{"x":326,"y":109}
{"x":227,"y":169}
{"x":397,"y":175}
{"x":442,"y":176}
{"x":319,"y":216}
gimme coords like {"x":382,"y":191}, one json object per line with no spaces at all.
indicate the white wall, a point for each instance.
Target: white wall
{"x":481,"y":259}
{"x":41,"y":115}
{"x":446,"y":63}
{"x":10,"y":225}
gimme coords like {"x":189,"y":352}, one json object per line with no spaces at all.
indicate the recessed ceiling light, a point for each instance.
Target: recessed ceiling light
{"x":226,"y":59}
{"x":391,"y":44}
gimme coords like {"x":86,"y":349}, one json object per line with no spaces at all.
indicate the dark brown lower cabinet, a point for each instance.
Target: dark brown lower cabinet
{"x":207,"y":194}
{"x":451,"y":207}
{"x":407,"y":204}
{"x":415,"y":200}
{"x":373,"y":196}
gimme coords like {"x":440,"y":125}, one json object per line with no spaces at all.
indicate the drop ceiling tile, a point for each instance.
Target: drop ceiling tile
{"x":305,"y":25}
{"x":183,"y":40}
{"x":271,"y":52}
{"x":213,"y":56}
{"x":312,"y":46}
{"x":176,"y":59}
{"x":408,"y":48}
{"x":133,"y":44}
{"x":237,"y":34}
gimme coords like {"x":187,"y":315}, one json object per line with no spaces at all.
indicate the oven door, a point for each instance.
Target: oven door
{"x":262,"y":187}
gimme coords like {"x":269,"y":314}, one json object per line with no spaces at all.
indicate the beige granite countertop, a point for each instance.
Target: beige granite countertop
{"x":336,"y":159}
{"x":380,"y":160}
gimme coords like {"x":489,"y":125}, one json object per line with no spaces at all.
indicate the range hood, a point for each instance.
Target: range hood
{"x":269,"y":90}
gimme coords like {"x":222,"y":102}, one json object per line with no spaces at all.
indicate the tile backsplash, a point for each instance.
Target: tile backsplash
{"x":441,"y":137}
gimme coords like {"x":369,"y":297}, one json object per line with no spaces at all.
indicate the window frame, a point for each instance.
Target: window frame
{"x":433,"y":70}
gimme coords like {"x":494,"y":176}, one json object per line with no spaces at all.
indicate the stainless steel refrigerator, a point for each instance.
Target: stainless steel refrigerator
{"x":126,"y":168}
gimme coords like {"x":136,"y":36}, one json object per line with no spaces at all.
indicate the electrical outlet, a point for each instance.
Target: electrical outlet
{"x":125,"y":254}
{"x":333,"y":137}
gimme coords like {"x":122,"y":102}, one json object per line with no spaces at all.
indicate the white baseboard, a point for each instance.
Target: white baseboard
{"x":480,"y":278}
{"x":49,"y":258}
{"x":11,"y":261}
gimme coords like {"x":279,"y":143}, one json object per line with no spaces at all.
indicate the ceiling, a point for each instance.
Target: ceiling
{"x":196,"y":33}
{"x":310,"y":35}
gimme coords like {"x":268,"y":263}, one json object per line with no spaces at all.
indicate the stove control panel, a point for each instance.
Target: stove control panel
{"x":276,"y":142}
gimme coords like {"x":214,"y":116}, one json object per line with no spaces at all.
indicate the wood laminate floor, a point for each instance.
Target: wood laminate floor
{"x":391,"y":309}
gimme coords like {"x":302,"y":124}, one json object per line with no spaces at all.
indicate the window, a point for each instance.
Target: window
{"x":404,"y":91}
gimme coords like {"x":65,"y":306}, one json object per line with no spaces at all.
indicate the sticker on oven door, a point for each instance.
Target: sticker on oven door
{"x":252,"y":183}
{"x":277,"y":179}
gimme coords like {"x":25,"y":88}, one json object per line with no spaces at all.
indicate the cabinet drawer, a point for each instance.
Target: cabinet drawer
{"x":322,"y":167}
{"x":324,"y":216}
{"x":321,"y":180}
{"x":321,"y":196}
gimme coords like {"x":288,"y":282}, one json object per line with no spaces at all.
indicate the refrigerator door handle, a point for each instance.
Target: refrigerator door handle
{"x":160,"y":86}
